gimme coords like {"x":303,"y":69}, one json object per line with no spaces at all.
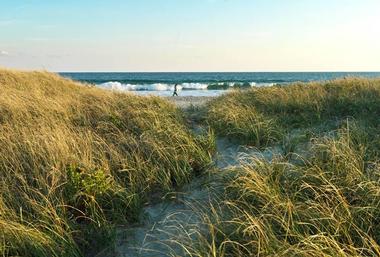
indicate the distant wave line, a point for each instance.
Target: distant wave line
{"x":118,"y":86}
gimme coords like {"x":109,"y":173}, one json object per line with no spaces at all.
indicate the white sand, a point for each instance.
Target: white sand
{"x":188,"y":101}
{"x":166,"y":223}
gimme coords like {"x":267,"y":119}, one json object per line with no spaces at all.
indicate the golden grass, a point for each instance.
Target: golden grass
{"x":260,"y":115}
{"x":327,"y":204}
{"x":74,"y":160}
{"x":321,"y":199}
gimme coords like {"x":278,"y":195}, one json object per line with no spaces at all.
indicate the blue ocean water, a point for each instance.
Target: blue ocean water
{"x":201,"y":83}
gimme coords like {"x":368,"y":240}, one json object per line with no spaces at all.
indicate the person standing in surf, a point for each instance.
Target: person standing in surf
{"x":175,"y":90}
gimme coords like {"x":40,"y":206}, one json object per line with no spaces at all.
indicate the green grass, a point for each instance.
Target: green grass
{"x":260,"y":116}
{"x":321,"y":197}
{"x":324,"y":205}
{"x":76,"y":160}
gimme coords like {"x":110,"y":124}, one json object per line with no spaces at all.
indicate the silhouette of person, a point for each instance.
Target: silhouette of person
{"x":175,"y":90}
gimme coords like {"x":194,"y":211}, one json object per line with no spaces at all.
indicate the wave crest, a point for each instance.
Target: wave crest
{"x":115,"y":85}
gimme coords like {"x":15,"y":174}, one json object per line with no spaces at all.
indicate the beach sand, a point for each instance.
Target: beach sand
{"x":188,"y":101}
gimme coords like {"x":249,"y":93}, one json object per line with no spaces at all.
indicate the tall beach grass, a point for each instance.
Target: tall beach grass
{"x":324,"y":205}
{"x":260,"y":116}
{"x":324,"y":200}
{"x":76,"y":160}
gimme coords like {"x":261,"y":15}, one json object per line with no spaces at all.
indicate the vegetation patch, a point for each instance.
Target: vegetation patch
{"x":321,"y":197}
{"x":324,"y":205}
{"x":76,"y":160}
{"x":257,"y":115}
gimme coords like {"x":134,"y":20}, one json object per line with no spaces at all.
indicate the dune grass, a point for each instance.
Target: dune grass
{"x":323,"y":200}
{"x":260,"y":116}
{"x":76,"y":160}
{"x":327,"y":204}
{"x":326,"y":207}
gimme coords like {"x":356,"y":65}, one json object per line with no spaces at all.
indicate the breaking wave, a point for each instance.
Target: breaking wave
{"x":115,"y":85}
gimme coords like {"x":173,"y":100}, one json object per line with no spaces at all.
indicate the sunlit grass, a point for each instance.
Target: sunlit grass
{"x":326,"y":205}
{"x":259,"y":116}
{"x":76,"y":160}
{"x":321,"y":197}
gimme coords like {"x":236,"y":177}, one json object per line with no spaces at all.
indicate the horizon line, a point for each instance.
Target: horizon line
{"x":332,"y":71}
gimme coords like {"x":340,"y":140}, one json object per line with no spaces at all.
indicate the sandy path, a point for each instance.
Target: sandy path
{"x":176,"y":219}
{"x":168,"y":222}
{"x":188,"y":101}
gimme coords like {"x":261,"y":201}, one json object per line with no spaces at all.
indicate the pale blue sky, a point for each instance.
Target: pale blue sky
{"x":190,"y":35}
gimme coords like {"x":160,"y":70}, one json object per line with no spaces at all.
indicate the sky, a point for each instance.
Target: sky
{"x":190,"y":35}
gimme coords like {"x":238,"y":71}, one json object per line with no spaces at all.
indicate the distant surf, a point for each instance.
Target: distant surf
{"x":201,"y":83}
{"x":115,"y":85}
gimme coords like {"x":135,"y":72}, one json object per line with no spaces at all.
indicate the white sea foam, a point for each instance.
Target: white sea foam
{"x":117,"y":86}
{"x":168,"y":88}
{"x":198,"y":86}
{"x":114,"y":85}
{"x":159,"y":87}
{"x":265,"y":84}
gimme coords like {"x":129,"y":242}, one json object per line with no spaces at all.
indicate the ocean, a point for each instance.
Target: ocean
{"x":200,"y":83}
